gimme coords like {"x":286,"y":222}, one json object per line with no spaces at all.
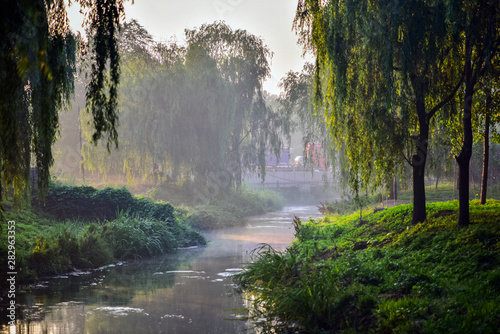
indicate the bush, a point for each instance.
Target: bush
{"x":96,"y":252}
{"x":90,"y":204}
{"x":46,"y":246}
{"x":348,"y":206}
{"x":132,"y":236}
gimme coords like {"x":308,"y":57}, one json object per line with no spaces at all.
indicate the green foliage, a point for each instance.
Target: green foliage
{"x":383,"y":274}
{"x":103,"y":19}
{"x":347,"y":206}
{"x":254,"y":202}
{"x":233,"y":210}
{"x":134,"y":237}
{"x":190,"y":114}
{"x":57,"y":251}
{"x":45,"y":245}
{"x":384,"y":70}
{"x":95,"y":248}
{"x":88,"y":203}
{"x":243,"y":60}
{"x":64,"y":247}
{"x":216,"y":216}
{"x":38,"y":55}
{"x":297,"y":104}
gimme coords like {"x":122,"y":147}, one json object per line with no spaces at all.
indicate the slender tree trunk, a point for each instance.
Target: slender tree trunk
{"x":395,"y":187}
{"x":82,"y":162}
{"x":236,"y":143}
{"x":391,"y":190}
{"x":463,"y":161}
{"x":419,"y":209}
{"x":418,"y":165}
{"x":463,"y":158}
{"x":486,"y":151}
{"x":455,"y":180}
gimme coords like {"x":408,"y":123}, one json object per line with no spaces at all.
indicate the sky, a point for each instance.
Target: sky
{"x":269,"y":19}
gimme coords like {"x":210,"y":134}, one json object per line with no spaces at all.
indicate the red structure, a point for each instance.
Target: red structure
{"x":315,"y":157}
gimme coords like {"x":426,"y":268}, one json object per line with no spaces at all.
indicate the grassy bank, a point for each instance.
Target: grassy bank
{"x":383,"y":274}
{"x":448,"y":191}
{"x":82,"y":227}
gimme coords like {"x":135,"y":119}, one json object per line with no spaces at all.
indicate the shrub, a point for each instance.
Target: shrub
{"x":95,"y":250}
{"x":87,"y":203}
{"x":134,"y":237}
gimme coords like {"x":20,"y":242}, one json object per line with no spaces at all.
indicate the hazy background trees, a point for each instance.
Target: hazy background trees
{"x":188,"y":113}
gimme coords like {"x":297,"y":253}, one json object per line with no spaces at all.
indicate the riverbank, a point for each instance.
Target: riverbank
{"x":189,"y":291}
{"x":383,"y":274}
{"x":80,"y":227}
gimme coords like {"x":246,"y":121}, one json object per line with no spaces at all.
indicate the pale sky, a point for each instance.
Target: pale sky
{"x":269,"y":19}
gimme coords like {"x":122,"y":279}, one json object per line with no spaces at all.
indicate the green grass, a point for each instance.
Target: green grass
{"x":82,"y":227}
{"x":346,"y":206}
{"x":447,"y":191}
{"x":383,"y":274}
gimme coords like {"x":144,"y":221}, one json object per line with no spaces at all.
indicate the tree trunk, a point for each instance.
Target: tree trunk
{"x":419,"y":210}
{"x":395,"y":187}
{"x":455,"y":182}
{"x":82,"y":162}
{"x":393,"y":193}
{"x":463,"y":188}
{"x":486,"y":151}
{"x":235,"y":164}
{"x":463,"y":158}
{"x":418,"y":165}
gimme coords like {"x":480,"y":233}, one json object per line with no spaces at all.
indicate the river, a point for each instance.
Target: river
{"x":188,"y":292}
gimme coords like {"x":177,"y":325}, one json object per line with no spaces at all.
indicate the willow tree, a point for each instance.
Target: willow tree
{"x":297,"y":101}
{"x":197,"y":112}
{"x":243,"y":60}
{"x":296,"y":98}
{"x":383,"y":72}
{"x":37,"y":54}
{"x":176,"y":112}
{"x":486,"y":121}
{"x":476,"y":29}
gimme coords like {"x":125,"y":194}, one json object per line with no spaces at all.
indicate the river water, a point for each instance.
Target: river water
{"x":188,"y":292}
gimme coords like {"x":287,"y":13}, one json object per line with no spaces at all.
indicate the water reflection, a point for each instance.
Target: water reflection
{"x":188,"y":292}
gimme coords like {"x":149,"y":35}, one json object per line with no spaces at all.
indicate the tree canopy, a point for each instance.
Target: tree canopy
{"x":383,"y":71}
{"x":243,"y":60}
{"x":195,"y":112}
{"x":38,"y":55}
